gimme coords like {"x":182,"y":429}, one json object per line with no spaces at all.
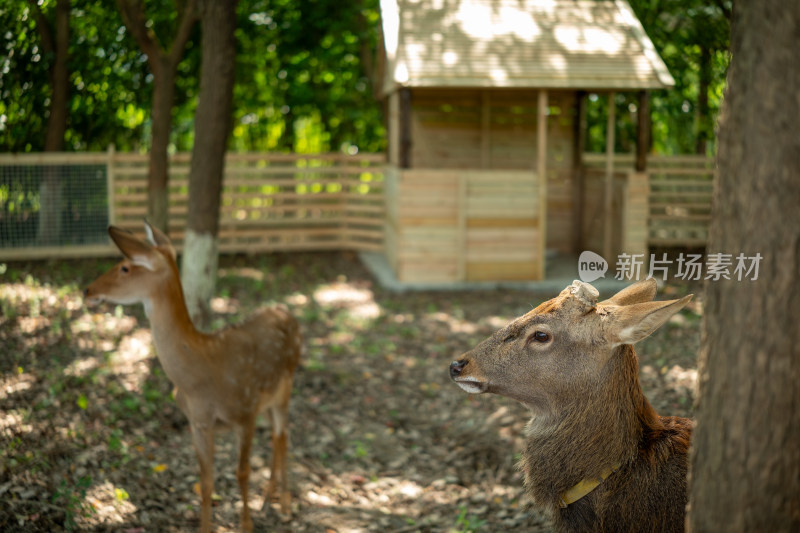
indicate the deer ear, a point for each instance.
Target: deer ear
{"x":640,"y":292}
{"x":138,"y":251}
{"x":160,"y":239}
{"x":631,"y":323}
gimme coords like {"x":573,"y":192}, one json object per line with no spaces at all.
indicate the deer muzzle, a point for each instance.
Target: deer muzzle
{"x":469,"y":383}
{"x":90,"y":297}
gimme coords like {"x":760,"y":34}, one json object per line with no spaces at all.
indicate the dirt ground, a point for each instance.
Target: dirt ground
{"x":381,"y":440}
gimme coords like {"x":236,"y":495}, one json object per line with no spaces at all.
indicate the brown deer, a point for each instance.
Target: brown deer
{"x":597,"y":457}
{"x":222,"y":380}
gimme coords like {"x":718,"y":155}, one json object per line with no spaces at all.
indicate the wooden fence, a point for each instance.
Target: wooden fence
{"x":680,"y":200}
{"x":270,"y":202}
{"x":464,"y":225}
{"x":679,"y":190}
{"x":273,"y":202}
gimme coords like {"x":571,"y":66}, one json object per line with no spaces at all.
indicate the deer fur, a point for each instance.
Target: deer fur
{"x":572,"y":363}
{"x":223,"y":380}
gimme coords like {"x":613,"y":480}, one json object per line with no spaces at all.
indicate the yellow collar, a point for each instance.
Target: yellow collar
{"x":585,"y":487}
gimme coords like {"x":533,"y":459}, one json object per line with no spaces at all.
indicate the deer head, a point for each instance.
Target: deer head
{"x":562,"y":348}
{"x":145,"y":266}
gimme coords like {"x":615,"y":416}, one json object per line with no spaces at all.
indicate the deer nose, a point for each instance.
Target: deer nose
{"x":456,"y":367}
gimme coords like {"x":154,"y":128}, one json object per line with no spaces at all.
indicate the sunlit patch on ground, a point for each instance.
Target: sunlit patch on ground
{"x":358,"y":300}
{"x":130,"y":361}
{"x":224,"y":305}
{"x":15,"y":382}
{"x":110,"y":504}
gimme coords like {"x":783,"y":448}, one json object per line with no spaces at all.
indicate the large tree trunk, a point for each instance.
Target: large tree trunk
{"x":212,"y":127}
{"x":745,"y":464}
{"x":164,"y":66}
{"x":55,"y":41}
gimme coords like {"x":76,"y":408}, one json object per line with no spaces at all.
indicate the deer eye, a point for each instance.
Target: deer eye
{"x":124,"y":269}
{"x":540,"y":336}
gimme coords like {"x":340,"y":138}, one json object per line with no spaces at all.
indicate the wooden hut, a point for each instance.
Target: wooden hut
{"x":484,"y":100}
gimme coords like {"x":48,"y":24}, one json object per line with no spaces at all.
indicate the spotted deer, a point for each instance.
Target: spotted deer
{"x":223,"y":380}
{"x":597,"y":456}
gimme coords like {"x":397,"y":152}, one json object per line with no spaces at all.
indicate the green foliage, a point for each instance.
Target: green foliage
{"x":692,"y":37}
{"x":305,"y":76}
{"x":466,"y":523}
{"x":83,"y":402}
{"x":107,"y":75}
{"x":23,"y":72}
{"x":72,"y":498}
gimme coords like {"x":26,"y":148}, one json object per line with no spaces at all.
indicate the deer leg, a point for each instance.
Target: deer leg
{"x":243,"y":471}
{"x":269,"y":488}
{"x":280,"y":430}
{"x":279,"y":444}
{"x":203,"y":440}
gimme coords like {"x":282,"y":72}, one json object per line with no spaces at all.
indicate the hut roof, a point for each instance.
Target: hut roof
{"x":579,"y":44}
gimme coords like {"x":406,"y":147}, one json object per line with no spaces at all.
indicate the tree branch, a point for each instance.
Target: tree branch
{"x":133,"y":17}
{"x":189,"y":16}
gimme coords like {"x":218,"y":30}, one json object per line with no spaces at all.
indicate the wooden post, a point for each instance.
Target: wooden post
{"x":405,"y":127}
{"x":394,"y":129}
{"x":643,"y":131}
{"x":461,"y":228}
{"x":608,"y":216}
{"x":541,"y":172}
{"x":579,"y":145}
{"x":485,"y":130}
{"x":110,"y":184}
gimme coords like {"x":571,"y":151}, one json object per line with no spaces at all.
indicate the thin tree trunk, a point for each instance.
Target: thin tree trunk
{"x":164,"y":66}
{"x":287,"y":137}
{"x":55,"y":41}
{"x":212,"y":129}
{"x":59,"y":77}
{"x":745,"y":461}
{"x":704,"y":127}
{"x":158,"y":173}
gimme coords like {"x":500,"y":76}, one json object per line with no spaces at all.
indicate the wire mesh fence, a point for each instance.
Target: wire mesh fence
{"x":59,"y":205}
{"x":53,"y":205}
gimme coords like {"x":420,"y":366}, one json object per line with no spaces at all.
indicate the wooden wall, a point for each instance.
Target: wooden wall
{"x":447,"y":225}
{"x":594,"y":215}
{"x":495,"y":129}
{"x":670,"y":202}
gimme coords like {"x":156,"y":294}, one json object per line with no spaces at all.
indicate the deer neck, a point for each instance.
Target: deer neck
{"x":594,"y":436}
{"x":178,"y":343}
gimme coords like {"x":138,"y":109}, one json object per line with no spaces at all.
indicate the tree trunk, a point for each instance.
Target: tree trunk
{"x":704,"y":127}
{"x":55,"y":43}
{"x":745,"y":461}
{"x":164,"y":66}
{"x":212,"y":128}
{"x":157,"y":180}
{"x":59,"y":77}
{"x":287,"y":140}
